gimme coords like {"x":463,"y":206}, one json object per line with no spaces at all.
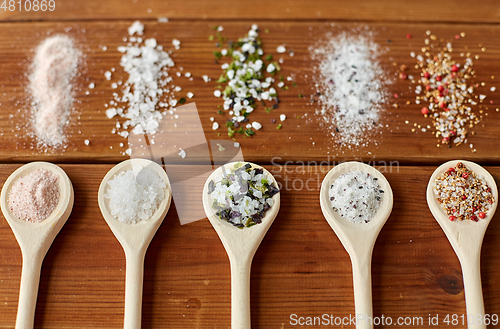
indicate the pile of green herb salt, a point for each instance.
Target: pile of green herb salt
{"x":245,"y":82}
{"x":356,"y":195}
{"x":243,"y":196}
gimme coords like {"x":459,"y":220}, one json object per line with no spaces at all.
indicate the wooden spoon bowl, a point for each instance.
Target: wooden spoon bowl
{"x":466,"y":238}
{"x":358,"y":238}
{"x":134,"y":238}
{"x":35,"y":239}
{"x":240,"y":245}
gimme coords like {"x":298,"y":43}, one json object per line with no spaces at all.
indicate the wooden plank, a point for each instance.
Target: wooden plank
{"x":300,"y":268}
{"x":390,"y":10}
{"x":300,"y":139}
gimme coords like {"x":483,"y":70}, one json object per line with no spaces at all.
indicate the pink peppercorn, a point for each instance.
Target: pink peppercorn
{"x":408,"y":36}
{"x":452,"y":218}
{"x":440,"y":88}
{"x":427,"y":75}
{"x":464,"y":197}
{"x":439,"y":78}
{"x":451,"y":170}
{"x":427,"y":87}
{"x":442,"y":105}
{"x":465,"y":175}
{"x":482,"y":215}
{"x":454,"y":68}
{"x":425,"y":110}
{"x":474,"y":218}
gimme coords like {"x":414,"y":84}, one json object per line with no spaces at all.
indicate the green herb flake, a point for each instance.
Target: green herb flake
{"x":220,"y":112}
{"x":269,"y":57}
{"x":218,"y":54}
{"x":294,"y":84}
{"x":300,"y":96}
{"x":268,"y":109}
{"x":182,"y":100}
{"x":210,"y":38}
{"x":279,"y":126}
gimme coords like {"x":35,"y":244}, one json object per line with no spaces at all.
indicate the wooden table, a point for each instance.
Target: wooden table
{"x":301,"y":267}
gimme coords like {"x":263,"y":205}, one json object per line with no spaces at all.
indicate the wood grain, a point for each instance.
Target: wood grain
{"x":469,"y":11}
{"x":300,"y":139}
{"x":300,"y":268}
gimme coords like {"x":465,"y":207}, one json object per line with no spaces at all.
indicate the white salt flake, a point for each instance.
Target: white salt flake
{"x":256,"y":125}
{"x":136,"y":27}
{"x":215,"y":126}
{"x":280,"y":49}
{"x":182,"y":154}
{"x":282,"y":117}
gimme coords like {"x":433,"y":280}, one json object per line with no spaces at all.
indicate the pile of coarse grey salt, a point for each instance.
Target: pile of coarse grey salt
{"x":350,"y":88}
{"x":146,"y":97}
{"x":53,"y":69}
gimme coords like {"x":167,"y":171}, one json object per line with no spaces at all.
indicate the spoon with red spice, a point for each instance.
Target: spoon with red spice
{"x":240,"y":244}
{"x":466,"y":236}
{"x":358,"y":239}
{"x":35,"y":238}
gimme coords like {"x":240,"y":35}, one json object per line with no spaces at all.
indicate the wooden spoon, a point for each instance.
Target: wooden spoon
{"x":35,"y":239}
{"x":240,"y":245}
{"x":466,"y":238}
{"x":134,"y":238}
{"x":358,"y":238}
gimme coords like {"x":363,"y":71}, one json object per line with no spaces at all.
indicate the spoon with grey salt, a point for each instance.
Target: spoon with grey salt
{"x":134,"y":237}
{"x":240,"y":244}
{"x":35,"y":238}
{"x":358,"y":238}
{"x":466,"y":238}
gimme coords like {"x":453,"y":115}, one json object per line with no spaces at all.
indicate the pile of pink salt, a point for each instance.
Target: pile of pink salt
{"x":35,"y":196}
{"x":54,"y":67}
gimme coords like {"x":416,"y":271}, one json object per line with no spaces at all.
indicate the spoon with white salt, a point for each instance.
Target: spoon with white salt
{"x":134,"y":237}
{"x":35,"y":239}
{"x":358,"y":238}
{"x":240,"y":244}
{"x":466,"y":238}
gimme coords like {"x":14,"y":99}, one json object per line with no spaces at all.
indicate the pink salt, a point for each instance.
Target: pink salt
{"x":35,"y":196}
{"x":54,"y":66}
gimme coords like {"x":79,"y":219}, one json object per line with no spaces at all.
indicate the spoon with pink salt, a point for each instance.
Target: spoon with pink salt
{"x":36,"y":234}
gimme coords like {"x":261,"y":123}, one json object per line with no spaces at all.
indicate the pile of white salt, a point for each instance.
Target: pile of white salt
{"x":54,"y":67}
{"x":135,"y":194}
{"x":35,"y":196}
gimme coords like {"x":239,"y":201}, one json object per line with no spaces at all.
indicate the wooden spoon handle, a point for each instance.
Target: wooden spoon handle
{"x":240,"y":294}
{"x":133,"y":289}
{"x":473,"y":293}
{"x":362,"y":280}
{"x":30,"y":280}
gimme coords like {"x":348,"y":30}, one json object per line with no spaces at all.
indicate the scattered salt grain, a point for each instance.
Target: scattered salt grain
{"x":136,"y":27}
{"x":280,"y":49}
{"x":206,"y":78}
{"x":162,"y":20}
{"x":87,"y":142}
{"x":35,"y":196}
{"x":215,"y":126}
{"x":176,"y":43}
{"x":91,"y":85}
{"x":107,"y":75}
{"x":282,"y":117}
{"x":236,"y":144}
{"x":190,"y":95}
{"x":54,"y":67}
{"x":182,"y":154}
{"x":135,"y":194}
{"x":256,"y":125}
{"x":217,"y":93}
